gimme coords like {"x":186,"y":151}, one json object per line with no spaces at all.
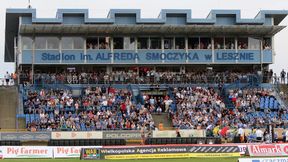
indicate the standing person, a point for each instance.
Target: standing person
{"x":283,"y":75}
{"x":14,"y":78}
{"x":7,"y":78}
{"x":178,"y":132}
{"x":286,"y":136}
{"x":259,"y":135}
{"x":142,"y":131}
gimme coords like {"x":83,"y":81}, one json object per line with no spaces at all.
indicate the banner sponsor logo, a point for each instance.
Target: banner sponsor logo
{"x":263,"y":159}
{"x":27,"y":152}
{"x":122,"y":134}
{"x":76,"y":135}
{"x":268,"y":150}
{"x":69,"y":152}
{"x":184,"y":133}
{"x":1,"y":153}
{"x":175,"y":155}
{"x":170,"y":149}
{"x":162,"y":152}
{"x":27,"y":136}
{"x":242,"y":149}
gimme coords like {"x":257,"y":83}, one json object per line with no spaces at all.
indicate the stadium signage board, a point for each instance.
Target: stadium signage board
{"x":276,"y":159}
{"x":154,"y":152}
{"x":242,"y":149}
{"x":146,"y":56}
{"x":26,"y":136}
{"x":69,"y":152}
{"x":77,"y":135}
{"x":168,"y":56}
{"x":1,"y":153}
{"x":27,"y":152}
{"x":268,"y":150}
{"x":184,"y":133}
{"x":90,"y":154}
{"x":122,"y":134}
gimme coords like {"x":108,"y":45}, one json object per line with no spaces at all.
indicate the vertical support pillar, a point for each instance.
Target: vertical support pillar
{"x":136,"y":49}
{"x":162,"y":47}
{"x":213,"y":50}
{"x":186,"y":48}
{"x":112,"y":49}
{"x":236,"y":47}
{"x":85,"y":52}
{"x":33,"y":60}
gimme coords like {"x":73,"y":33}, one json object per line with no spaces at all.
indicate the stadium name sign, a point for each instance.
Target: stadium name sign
{"x":155,"y":56}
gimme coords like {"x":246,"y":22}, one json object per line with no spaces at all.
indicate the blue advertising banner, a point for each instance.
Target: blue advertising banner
{"x":27,"y":57}
{"x":267,"y":56}
{"x":175,"y":56}
{"x":125,"y":56}
{"x":72,"y":56}
{"x":199,"y":56}
{"x":242,"y":56}
{"x":48,"y":56}
{"x":150,"y":56}
{"x":145,"y":56}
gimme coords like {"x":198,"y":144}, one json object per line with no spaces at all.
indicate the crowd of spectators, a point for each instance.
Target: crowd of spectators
{"x":130,"y":76}
{"x":98,"y":108}
{"x":203,"y":108}
{"x":196,"y":108}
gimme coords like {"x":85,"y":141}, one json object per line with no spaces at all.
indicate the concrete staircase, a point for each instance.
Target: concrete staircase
{"x":8,"y":106}
{"x":163,"y":117}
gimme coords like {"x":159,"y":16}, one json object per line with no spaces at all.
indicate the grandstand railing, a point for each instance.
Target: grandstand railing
{"x":41,"y":79}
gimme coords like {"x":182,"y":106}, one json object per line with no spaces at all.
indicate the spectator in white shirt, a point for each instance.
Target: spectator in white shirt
{"x":7,"y":78}
{"x":259,"y":134}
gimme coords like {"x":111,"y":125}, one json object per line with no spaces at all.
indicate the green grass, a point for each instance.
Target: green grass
{"x":147,"y":160}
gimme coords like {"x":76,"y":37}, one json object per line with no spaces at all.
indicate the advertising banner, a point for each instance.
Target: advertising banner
{"x":160,"y":152}
{"x":1,"y":153}
{"x":69,"y":152}
{"x":77,"y":135}
{"x":276,"y":159}
{"x":268,"y":150}
{"x":144,"y":56}
{"x":26,"y":136}
{"x":122,"y":134}
{"x":242,"y":149}
{"x":184,"y":133}
{"x":163,"y":156}
{"x":27,"y":152}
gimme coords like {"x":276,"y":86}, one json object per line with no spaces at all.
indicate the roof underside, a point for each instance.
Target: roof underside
{"x":255,"y":30}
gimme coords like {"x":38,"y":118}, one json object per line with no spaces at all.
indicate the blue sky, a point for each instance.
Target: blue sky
{"x":151,"y":9}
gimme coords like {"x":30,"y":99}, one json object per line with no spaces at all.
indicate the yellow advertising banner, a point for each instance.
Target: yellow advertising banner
{"x":174,"y":155}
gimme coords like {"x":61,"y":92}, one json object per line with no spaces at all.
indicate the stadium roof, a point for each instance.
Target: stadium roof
{"x":253,"y":30}
{"x":211,"y":19}
{"x":129,"y":21}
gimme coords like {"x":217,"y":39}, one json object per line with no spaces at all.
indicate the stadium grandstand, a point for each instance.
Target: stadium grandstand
{"x":127,"y":77}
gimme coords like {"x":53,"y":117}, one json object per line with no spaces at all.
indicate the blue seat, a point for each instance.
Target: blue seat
{"x":32,"y":117}
{"x":27,"y":117}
